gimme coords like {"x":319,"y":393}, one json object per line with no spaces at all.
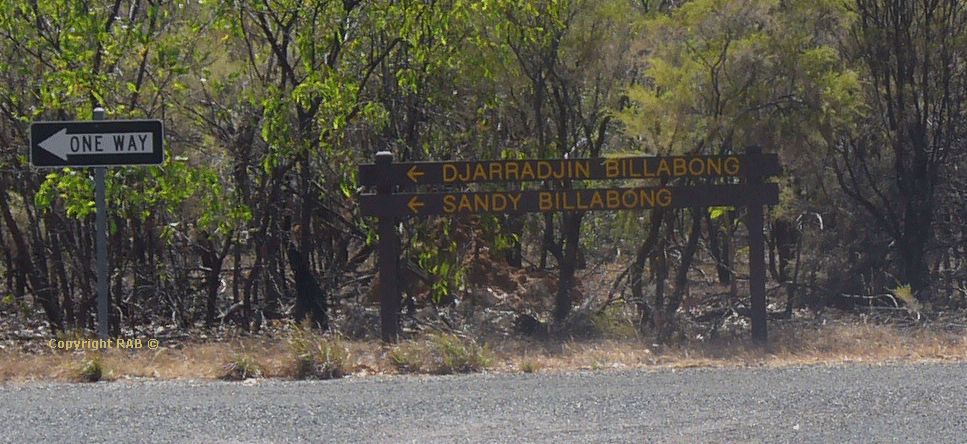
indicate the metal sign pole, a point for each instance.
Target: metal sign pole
{"x":100,"y":233}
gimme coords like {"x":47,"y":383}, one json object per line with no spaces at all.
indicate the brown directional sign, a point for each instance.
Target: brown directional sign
{"x":387,"y":204}
{"x":598,"y":199}
{"x":602,"y":168}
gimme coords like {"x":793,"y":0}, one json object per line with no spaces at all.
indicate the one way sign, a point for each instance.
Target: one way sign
{"x":96,"y":143}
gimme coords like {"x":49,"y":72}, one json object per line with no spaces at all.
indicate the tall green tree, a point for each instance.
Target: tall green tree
{"x":326,"y":85}
{"x":564,"y":63}
{"x":720,"y":74}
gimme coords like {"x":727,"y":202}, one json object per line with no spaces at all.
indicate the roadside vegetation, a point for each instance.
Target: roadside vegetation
{"x":287,"y":352}
{"x":245,"y":254}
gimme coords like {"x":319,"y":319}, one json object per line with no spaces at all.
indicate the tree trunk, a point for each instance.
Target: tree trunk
{"x":311,"y":301}
{"x":565,"y":282}
{"x":681,"y":277}
{"x":647,"y":248}
{"x":720,"y":248}
{"x":34,"y":264}
{"x":514,"y":224}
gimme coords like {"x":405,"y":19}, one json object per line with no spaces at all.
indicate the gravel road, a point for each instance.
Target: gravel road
{"x":907,"y":403}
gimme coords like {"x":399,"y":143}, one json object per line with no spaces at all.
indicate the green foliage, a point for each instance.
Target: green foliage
{"x":716,"y":212}
{"x":140,"y":193}
{"x":724,"y":70}
{"x":438,"y":255}
{"x":500,"y":240}
{"x":221,"y":211}
{"x":562,"y":61}
{"x":73,"y":187}
{"x":97,"y":53}
{"x":272,"y":105}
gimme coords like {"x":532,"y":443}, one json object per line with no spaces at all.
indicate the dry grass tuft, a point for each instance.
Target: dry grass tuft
{"x":441,"y":354}
{"x":243,"y":366}
{"x":529,"y":365}
{"x":89,"y":369}
{"x":315,"y":356}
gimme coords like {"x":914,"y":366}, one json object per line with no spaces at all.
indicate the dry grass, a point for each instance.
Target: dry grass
{"x":441,"y":354}
{"x":315,"y":356}
{"x":825,"y":345}
{"x":844,"y":340}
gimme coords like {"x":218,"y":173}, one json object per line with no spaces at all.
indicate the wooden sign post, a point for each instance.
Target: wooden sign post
{"x":388,"y":205}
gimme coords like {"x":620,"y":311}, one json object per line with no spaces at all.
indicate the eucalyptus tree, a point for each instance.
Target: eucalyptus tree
{"x":913,"y":56}
{"x":562,"y":64}
{"x":718,"y":75}
{"x":323,"y":86}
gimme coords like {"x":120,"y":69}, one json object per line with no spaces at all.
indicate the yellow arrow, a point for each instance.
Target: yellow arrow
{"x":415,"y":204}
{"x":414,"y":174}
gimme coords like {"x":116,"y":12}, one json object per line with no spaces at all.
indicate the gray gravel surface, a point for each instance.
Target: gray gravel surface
{"x":907,"y":403}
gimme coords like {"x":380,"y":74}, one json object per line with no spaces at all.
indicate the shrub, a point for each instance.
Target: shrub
{"x":90,"y":369}
{"x":614,"y":321}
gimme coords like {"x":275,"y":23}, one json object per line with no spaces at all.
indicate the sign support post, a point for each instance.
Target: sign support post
{"x":388,"y":250}
{"x":100,"y":233}
{"x":757,"y":263}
